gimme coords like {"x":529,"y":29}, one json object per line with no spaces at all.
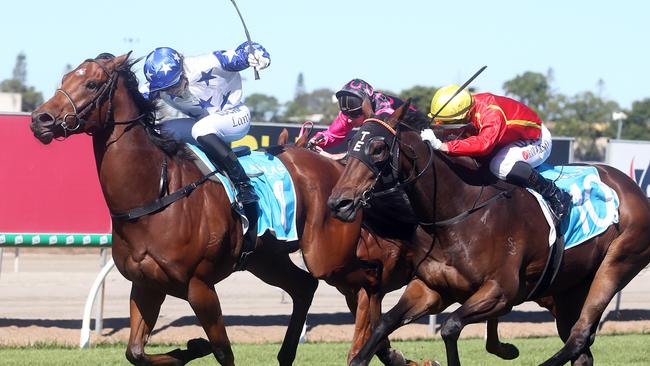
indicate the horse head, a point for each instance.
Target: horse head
{"x":374,"y":162}
{"x":79,"y":105}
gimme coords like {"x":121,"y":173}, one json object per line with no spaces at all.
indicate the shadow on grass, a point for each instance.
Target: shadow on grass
{"x":117,"y":324}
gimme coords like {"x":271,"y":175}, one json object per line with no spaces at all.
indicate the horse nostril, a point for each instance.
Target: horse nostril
{"x":340,"y":204}
{"x":44,"y":117}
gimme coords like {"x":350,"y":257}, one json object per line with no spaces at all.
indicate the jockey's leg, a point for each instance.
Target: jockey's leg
{"x":214,"y":133}
{"x":221,"y":154}
{"x":524,"y":175}
{"x":515,"y":162}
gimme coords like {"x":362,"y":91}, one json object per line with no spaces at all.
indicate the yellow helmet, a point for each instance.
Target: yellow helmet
{"x":456,"y":109}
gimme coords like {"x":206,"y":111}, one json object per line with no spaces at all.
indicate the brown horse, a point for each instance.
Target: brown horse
{"x":184,"y":248}
{"x":489,"y":257}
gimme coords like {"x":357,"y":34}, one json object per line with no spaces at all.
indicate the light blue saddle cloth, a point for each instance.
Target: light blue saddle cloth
{"x":273,"y":184}
{"x":595,"y":205}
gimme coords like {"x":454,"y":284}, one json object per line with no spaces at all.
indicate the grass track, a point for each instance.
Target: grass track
{"x":629,"y":350}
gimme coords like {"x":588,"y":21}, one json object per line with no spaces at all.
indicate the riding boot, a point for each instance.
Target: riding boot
{"x":524,"y":175}
{"x":221,"y":154}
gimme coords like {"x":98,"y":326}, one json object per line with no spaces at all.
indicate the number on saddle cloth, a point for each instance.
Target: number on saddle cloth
{"x":595,"y":205}
{"x":272,"y":184}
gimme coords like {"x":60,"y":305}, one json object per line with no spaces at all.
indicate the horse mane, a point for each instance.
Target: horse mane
{"x":148,"y":110}
{"x":415,"y":120}
{"x":471,"y":170}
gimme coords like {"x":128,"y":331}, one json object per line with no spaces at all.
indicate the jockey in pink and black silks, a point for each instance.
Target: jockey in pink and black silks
{"x":350,"y":116}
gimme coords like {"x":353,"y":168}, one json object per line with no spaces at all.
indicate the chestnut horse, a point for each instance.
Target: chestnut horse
{"x":186,"y":247}
{"x":490,"y":248}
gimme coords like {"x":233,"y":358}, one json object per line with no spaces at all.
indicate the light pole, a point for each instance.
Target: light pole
{"x":619,"y":117}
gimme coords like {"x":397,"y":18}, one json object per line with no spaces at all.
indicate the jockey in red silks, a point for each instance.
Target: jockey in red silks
{"x":350,"y":116}
{"x":509,"y":133}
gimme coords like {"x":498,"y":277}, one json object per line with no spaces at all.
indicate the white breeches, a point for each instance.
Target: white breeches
{"x":230,"y":125}
{"x":533,"y":152}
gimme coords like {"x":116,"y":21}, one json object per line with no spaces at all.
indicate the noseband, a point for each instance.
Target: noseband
{"x":77,"y":115}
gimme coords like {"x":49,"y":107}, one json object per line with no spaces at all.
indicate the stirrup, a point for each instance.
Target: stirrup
{"x":246,"y":193}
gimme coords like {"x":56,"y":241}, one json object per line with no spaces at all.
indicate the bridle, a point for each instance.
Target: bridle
{"x":392,"y":161}
{"x":390,"y":178}
{"x":106,"y":90}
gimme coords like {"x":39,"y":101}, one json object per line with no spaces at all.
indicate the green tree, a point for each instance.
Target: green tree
{"x":420,"y":97}
{"x":263,"y":107}
{"x":637,"y":124}
{"x":17,"y":84}
{"x":532,"y":89}
{"x":318,"y":102}
{"x":587,"y":117}
{"x":20,"y":69}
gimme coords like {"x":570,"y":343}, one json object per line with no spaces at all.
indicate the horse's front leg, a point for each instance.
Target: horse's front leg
{"x":204,"y":301}
{"x":144,"y":309}
{"x":494,"y":345}
{"x":416,"y":301}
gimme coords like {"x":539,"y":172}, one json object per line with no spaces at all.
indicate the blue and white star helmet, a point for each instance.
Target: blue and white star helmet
{"x":163,"y":68}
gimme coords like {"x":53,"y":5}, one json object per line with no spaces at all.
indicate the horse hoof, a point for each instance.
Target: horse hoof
{"x":199,"y":347}
{"x":427,"y":363}
{"x":395,"y":358}
{"x":505,"y":351}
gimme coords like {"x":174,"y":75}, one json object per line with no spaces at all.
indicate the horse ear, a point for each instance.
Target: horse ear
{"x":366,"y":108}
{"x":399,"y":113}
{"x":283,"y":137}
{"x":120,"y":60}
{"x":302,"y":140}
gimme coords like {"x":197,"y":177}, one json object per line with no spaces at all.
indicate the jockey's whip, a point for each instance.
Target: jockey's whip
{"x":458,"y":91}
{"x":248,"y":37}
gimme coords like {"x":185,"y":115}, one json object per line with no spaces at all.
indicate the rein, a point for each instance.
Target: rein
{"x":369,"y":194}
{"x":108,"y":89}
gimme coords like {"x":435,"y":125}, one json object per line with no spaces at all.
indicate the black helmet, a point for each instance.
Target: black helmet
{"x":351,"y":97}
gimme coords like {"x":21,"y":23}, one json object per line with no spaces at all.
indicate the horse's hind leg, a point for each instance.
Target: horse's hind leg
{"x":278,"y":270}
{"x":204,"y":301}
{"x":144,"y":309}
{"x":568,"y":305}
{"x":627,"y":255}
{"x":416,"y":301}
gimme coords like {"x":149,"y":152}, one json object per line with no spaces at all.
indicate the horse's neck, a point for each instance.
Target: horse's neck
{"x":128,"y":163}
{"x":447,"y":189}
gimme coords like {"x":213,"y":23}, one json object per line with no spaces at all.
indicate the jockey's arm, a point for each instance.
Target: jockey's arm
{"x":480,"y":144}
{"x":336,"y":132}
{"x":240,"y":58}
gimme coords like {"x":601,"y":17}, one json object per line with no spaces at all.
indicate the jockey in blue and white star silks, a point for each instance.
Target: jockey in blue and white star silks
{"x":207,"y":89}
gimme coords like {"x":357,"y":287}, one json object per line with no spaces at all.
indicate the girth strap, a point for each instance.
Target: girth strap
{"x":552,"y":267}
{"x":160,"y":203}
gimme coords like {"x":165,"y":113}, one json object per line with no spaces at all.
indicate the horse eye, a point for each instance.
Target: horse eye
{"x":91,"y":85}
{"x":377,"y":151}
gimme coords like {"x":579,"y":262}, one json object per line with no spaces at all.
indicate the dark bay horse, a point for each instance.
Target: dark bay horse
{"x":185,"y":248}
{"x":489,"y":259}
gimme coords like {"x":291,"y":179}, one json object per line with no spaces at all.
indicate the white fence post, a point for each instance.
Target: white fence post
{"x":85,"y":323}
{"x":99,"y":299}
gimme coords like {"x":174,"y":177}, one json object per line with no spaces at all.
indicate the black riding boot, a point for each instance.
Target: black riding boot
{"x":221,"y":154}
{"x":524,"y":175}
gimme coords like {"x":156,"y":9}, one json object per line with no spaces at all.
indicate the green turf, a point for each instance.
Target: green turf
{"x":631,"y":349}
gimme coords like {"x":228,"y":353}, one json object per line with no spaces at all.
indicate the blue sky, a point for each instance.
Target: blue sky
{"x":393,"y":45}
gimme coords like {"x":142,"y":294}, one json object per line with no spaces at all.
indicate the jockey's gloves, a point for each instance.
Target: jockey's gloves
{"x":428,"y":135}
